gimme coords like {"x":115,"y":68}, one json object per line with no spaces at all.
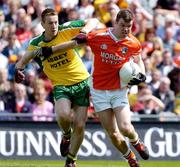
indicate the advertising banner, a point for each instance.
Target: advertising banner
{"x":40,"y":140}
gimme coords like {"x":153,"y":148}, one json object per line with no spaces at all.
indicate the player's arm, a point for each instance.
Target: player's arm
{"x":141,"y":64}
{"x":64,"y":46}
{"x":90,"y":24}
{"x":20,"y":65}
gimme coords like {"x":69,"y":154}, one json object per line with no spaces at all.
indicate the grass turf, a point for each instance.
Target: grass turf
{"x":105,"y":163}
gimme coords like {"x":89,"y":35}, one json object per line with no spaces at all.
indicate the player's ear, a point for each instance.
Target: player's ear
{"x":42,"y":23}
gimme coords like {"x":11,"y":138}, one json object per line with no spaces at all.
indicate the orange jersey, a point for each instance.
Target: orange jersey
{"x":109,"y":56}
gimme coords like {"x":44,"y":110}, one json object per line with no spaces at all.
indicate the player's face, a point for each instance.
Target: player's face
{"x":51,"y":25}
{"x":123,"y":28}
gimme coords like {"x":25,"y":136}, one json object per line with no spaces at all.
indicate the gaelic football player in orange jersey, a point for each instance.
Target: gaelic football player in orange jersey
{"x":112,"y":47}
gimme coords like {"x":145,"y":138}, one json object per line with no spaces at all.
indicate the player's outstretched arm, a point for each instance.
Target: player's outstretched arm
{"x":64,"y":46}
{"x":90,"y":25}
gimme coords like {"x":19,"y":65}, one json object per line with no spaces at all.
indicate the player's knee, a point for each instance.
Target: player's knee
{"x":79,"y":125}
{"x":125,"y":129}
{"x":65,"y":116}
{"x":113,"y":135}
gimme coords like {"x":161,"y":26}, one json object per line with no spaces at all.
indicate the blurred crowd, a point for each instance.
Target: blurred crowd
{"x":156,"y":25}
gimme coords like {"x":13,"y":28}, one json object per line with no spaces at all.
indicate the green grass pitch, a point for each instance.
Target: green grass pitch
{"x":105,"y":163}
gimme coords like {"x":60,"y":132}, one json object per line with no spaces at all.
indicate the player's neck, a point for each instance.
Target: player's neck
{"x":117,"y":34}
{"x":48,"y":38}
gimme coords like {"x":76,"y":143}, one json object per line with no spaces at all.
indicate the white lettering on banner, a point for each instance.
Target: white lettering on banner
{"x":97,"y":139}
{"x":3,"y":150}
{"x":16,"y":143}
{"x":21,"y":143}
{"x":165,"y":145}
{"x":27,"y":143}
{"x":36,"y":143}
{"x":169,"y":148}
{"x":50,"y":141}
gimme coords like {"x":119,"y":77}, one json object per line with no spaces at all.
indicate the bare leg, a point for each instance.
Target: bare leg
{"x":123,"y":118}
{"x":108,"y":121}
{"x":79,"y":119}
{"x":63,"y":114}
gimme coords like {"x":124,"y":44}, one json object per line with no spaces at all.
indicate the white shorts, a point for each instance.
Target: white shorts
{"x":105,"y":99}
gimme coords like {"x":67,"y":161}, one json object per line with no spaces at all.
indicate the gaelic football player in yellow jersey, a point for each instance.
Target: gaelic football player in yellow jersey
{"x":67,"y":74}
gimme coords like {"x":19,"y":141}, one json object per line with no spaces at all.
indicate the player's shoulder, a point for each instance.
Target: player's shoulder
{"x":135,"y":43}
{"x":71,"y":24}
{"x":133,"y":38}
{"x":36,"y":40}
{"x":98,"y":32}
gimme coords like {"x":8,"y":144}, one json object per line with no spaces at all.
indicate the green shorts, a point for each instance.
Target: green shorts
{"x":77,"y":94}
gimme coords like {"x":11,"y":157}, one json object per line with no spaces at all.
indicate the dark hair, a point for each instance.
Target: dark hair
{"x":125,"y":14}
{"x":47,"y":12}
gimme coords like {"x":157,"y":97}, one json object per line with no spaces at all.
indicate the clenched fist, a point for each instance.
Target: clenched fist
{"x":19,"y":75}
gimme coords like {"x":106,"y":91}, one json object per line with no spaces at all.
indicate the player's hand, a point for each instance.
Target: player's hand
{"x":138,"y":79}
{"x":81,"y":38}
{"x":19,"y":75}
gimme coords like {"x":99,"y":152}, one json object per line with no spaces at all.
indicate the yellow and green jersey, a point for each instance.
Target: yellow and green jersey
{"x":62,"y":68}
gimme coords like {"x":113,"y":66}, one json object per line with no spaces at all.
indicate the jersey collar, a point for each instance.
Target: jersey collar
{"x":114,"y":37}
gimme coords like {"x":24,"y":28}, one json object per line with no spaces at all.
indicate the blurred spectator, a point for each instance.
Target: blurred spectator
{"x":156,"y":59}
{"x":13,"y":47}
{"x":31,"y":76}
{"x":4,"y":61}
{"x":168,"y":41}
{"x":4,"y":38}
{"x":65,"y":4}
{"x":148,"y":69}
{"x":6,"y":96}
{"x":23,"y":105}
{"x":176,"y":50}
{"x":13,"y":7}
{"x":147,"y":44}
{"x":174,"y":77}
{"x":57,"y":6}
{"x":4,"y":6}
{"x":41,"y":108}
{"x":20,"y":14}
{"x":86,"y":9}
{"x":155,"y":82}
{"x":166,"y":4}
{"x":170,"y":24}
{"x":167,"y":63}
{"x":146,"y":103}
{"x":73,"y":14}
{"x":2,"y":21}
{"x":24,"y":31}
{"x":165,"y":94}
{"x":101,"y":11}
{"x":39,"y":6}
{"x":30,"y":8}
{"x":87,"y":58}
{"x":142,"y":18}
